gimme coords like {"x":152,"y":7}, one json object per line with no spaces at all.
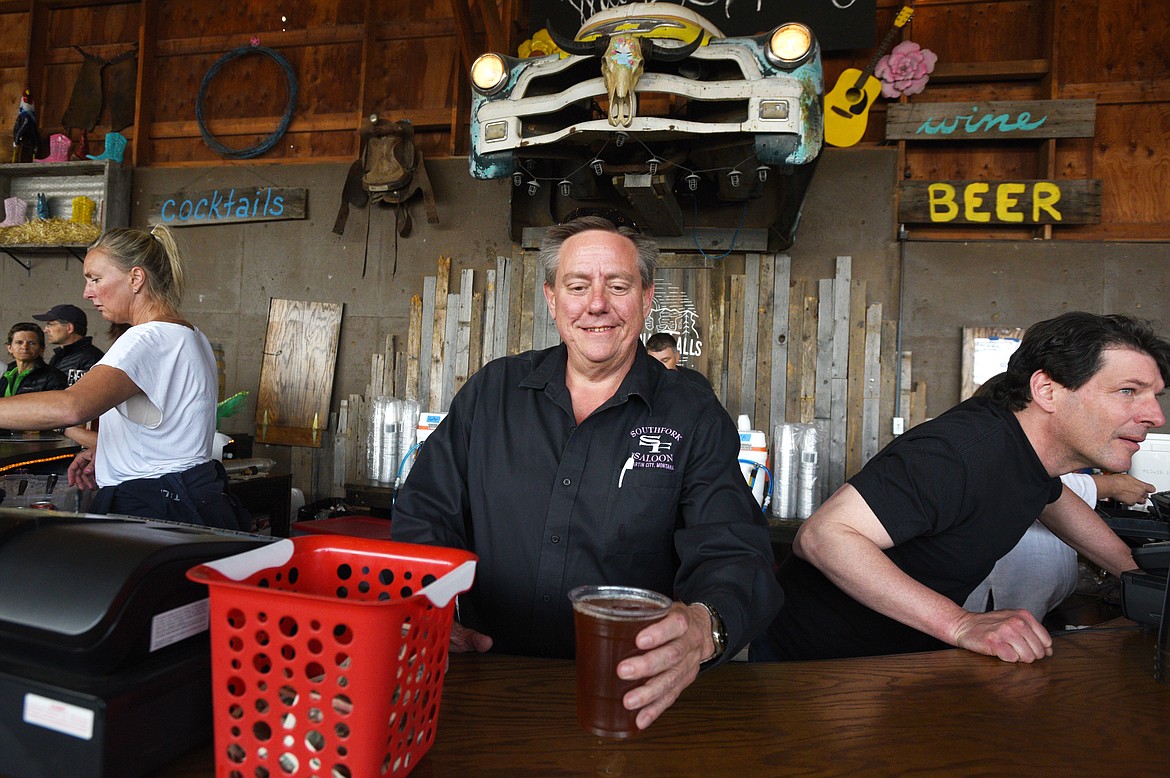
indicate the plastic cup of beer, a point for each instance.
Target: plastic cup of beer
{"x":607,"y":619}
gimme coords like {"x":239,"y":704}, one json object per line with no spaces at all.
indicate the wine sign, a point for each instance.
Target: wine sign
{"x":993,"y":120}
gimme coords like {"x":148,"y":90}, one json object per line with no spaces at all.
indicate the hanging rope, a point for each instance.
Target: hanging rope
{"x":261,"y":146}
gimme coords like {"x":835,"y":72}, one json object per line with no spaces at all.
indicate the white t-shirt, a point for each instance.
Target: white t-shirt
{"x":170,"y":426}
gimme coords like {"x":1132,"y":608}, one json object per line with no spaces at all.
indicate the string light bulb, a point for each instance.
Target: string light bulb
{"x":517,"y":178}
{"x":762,"y":173}
{"x":597,"y":165}
{"x":734,"y":175}
{"x":566,"y":188}
{"x":533,"y":187}
{"x":692,"y":182}
{"x":619,"y":140}
{"x":653,"y":164}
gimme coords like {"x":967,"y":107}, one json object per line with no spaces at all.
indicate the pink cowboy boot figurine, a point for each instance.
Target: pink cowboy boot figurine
{"x":58,"y":148}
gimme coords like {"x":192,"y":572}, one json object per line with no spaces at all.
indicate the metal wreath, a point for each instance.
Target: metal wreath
{"x":261,"y":146}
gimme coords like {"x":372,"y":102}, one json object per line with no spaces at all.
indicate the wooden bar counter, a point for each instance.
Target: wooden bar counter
{"x":1093,"y":708}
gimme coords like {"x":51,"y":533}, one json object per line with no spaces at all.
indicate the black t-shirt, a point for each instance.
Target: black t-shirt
{"x":955,"y":494}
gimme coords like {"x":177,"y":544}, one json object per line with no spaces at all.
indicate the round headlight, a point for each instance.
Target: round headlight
{"x":488,"y":72}
{"x":790,"y":43}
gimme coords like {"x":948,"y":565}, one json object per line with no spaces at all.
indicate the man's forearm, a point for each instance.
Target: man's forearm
{"x":862,"y":570}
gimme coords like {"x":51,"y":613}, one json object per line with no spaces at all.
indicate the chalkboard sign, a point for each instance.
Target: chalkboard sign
{"x":838,"y":24}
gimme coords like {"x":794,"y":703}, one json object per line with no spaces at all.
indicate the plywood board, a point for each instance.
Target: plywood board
{"x":296,"y":372}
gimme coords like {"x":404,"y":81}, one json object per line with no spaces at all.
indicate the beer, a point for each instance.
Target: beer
{"x":607,"y":620}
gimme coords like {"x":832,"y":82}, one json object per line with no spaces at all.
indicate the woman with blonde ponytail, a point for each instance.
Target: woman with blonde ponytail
{"x":154,"y":391}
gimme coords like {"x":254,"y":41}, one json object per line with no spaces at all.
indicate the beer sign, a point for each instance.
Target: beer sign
{"x":1002,"y":203}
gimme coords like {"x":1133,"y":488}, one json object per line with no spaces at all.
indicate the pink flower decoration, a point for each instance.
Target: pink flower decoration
{"x":905,"y":70}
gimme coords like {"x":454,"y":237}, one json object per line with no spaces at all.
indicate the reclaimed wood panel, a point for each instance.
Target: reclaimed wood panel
{"x":500,"y":326}
{"x":438,"y":339}
{"x":430,"y":284}
{"x":871,"y":400}
{"x":761,"y":414}
{"x":810,"y":359}
{"x":889,"y":395}
{"x":515,"y":303}
{"x":450,"y":353}
{"x":733,"y":400}
{"x":749,"y":310}
{"x":296,"y":372}
{"x":528,"y":301}
{"x":413,"y":346}
{"x":838,"y":415}
{"x":462,"y":361}
{"x":716,"y":334}
{"x":781,"y":340}
{"x":475,"y":352}
{"x":855,"y":377}
{"x":796,"y":295}
{"x":822,"y":395}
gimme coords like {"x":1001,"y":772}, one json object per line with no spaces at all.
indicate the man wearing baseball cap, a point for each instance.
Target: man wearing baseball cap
{"x":65,"y":327}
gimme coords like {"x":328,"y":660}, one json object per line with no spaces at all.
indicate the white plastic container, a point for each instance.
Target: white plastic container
{"x":753,"y":451}
{"x":1151,"y":463}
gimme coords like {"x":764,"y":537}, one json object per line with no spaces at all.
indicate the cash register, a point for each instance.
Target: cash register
{"x":104,"y":657}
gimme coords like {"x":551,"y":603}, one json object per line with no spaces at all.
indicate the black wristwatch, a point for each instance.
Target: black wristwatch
{"x":718,"y":633}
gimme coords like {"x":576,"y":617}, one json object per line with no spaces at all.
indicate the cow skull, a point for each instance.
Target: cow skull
{"x":623,"y":56}
{"x":621,"y":66}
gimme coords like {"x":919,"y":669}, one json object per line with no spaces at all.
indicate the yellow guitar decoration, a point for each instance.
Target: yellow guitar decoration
{"x":847,"y":106}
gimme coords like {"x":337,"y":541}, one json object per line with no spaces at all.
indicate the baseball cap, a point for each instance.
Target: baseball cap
{"x":69,"y":313}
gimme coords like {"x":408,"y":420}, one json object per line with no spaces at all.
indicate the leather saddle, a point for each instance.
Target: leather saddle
{"x":389,"y":171}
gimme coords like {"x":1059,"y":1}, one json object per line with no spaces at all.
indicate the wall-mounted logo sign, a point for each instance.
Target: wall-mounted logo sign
{"x":673,"y":311}
{"x":230,"y":205}
{"x":1000,"y":202}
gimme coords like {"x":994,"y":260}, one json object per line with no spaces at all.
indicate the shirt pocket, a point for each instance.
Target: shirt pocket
{"x":642,"y":513}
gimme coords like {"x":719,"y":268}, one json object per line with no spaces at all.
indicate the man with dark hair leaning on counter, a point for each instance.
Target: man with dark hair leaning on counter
{"x":884,"y":565}
{"x":587,"y":463}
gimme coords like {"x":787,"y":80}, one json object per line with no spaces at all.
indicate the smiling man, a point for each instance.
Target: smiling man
{"x":587,"y":463}
{"x":884,"y":564}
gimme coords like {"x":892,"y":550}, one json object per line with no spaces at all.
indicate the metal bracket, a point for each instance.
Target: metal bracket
{"x":70,"y":250}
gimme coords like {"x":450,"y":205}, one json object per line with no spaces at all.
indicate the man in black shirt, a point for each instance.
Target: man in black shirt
{"x":65,"y":327}
{"x":886,"y":563}
{"x":586,"y":463}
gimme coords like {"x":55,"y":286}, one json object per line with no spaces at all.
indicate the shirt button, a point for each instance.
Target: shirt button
{"x":548,"y":598}
{"x":555,"y":538}
{"x":566,"y":482}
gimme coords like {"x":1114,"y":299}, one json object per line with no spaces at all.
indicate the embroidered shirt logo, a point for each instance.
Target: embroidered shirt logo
{"x":654,"y":447}
{"x":654,"y":442}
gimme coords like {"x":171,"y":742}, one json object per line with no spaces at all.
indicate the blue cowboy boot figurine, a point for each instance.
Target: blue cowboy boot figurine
{"x":115,"y":147}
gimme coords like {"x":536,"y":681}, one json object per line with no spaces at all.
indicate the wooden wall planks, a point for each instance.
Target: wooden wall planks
{"x":776,"y":370}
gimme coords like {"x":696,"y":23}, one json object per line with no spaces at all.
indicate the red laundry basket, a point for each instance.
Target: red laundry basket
{"x":328,"y":654}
